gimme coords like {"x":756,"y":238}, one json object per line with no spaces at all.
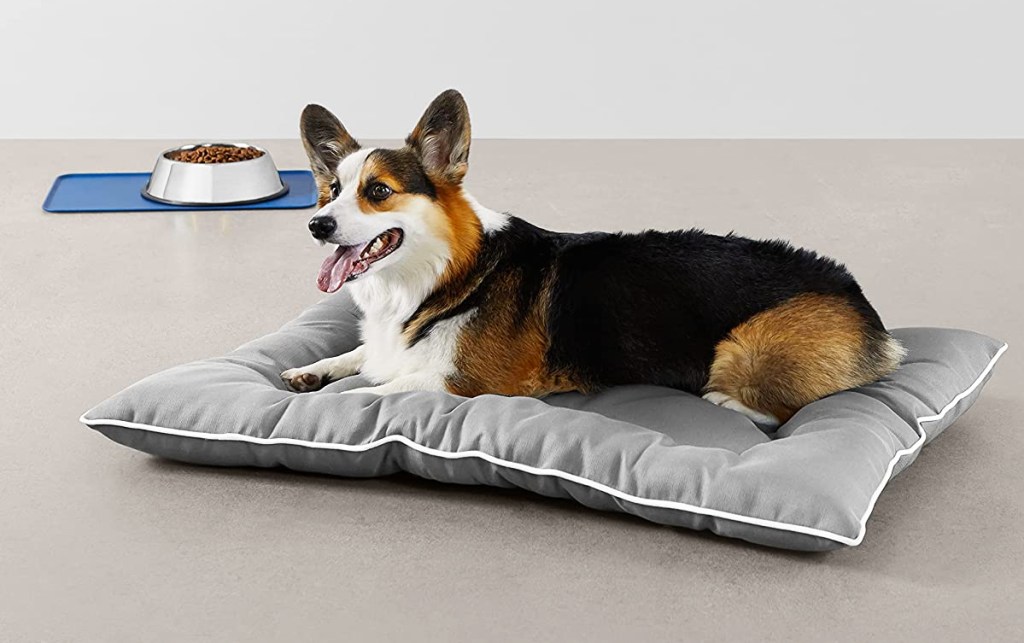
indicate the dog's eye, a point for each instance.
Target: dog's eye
{"x":335,"y":190}
{"x":378,"y":191}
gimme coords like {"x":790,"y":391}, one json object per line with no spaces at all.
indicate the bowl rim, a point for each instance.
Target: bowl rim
{"x":192,"y":146}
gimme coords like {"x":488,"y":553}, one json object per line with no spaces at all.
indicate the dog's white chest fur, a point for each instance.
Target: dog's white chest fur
{"x":389,"y":357}
{"x":387,"y":354}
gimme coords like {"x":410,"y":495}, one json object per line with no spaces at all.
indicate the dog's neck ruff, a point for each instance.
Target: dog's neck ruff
{"x":490,"y":220}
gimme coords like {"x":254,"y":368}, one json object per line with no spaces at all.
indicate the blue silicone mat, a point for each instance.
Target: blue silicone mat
{"x":122,"y":192}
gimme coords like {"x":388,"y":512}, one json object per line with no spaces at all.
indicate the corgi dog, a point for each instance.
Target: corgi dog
{"x":460,"y":298}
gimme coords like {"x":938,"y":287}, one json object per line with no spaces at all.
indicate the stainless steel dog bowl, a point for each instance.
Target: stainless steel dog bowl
{"x":231,"y":183}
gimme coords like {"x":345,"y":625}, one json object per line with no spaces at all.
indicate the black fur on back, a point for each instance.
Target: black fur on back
{"x":648,"y":307}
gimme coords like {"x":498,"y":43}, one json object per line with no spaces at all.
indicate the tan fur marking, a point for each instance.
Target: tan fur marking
{"x":372,"y":170}
{"x":323,"y":190}
{"x":463,"y":230}
{"x":459,"y":225}
{"x":498,"y":353}
{"x":786,"y":357}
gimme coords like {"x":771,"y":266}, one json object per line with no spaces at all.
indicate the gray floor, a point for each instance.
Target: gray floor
{"x":99,"y":543}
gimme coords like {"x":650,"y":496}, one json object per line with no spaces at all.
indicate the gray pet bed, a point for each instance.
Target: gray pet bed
{"x":657,"y":453}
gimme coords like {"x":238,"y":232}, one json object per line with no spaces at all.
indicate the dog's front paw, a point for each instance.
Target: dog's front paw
{"x":302,"y":380}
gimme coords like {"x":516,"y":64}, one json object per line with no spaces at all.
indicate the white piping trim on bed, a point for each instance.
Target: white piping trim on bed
{"x":916,"y":446}
{"x":649,"y":502}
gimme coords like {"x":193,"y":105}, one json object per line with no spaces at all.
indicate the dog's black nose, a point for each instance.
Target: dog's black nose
{"x":322,"y":227}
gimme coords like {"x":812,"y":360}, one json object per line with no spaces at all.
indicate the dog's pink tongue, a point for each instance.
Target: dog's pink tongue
{"x":336,"y":268}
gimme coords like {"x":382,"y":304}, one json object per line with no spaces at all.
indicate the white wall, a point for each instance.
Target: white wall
{"x":191,"y":69}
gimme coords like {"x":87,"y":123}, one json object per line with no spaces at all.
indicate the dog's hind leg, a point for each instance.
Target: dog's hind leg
{"x":763,"y":420}
{"x":786,"y":357}
{"x":318,"y":374}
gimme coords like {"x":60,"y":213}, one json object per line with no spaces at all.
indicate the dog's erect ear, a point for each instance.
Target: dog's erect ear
{"x":441,"y":138}
{"x":325,"y":139}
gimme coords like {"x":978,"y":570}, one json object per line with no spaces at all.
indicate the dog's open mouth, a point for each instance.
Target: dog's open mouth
{"x":348,"y":262}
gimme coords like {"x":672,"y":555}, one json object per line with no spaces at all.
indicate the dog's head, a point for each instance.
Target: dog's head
{"x":390,"y":207}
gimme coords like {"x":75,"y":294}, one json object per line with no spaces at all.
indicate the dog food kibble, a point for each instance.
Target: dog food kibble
{"x":215,"y":154}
